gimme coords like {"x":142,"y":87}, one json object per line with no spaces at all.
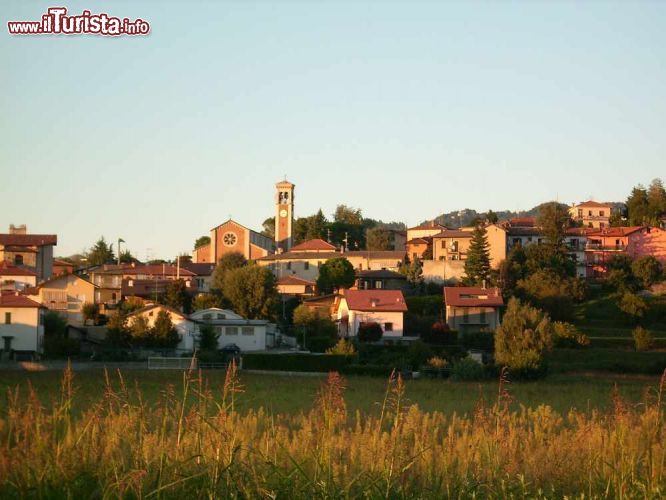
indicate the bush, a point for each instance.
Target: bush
{"x":318,"y":344}
{"x":296,"y":362}
{"x":343,"y":347}
{"x":467,"y":370}
{"x":54,"y":325}
{"x":567,"y":335}
{"x":633,"y":306}
{"x":522,"y":339}
{"x":418,"y":354}
{"x":484,"y":341}
{"x":642,"y":338}
{"x":61,"y":347}
{"x":370,"y":370}
{"x":648,"y":270}
{"x":310,"y":325}
{"x":440,"y":334}
{"x":90,"y":311}
{"x":369,"y":332}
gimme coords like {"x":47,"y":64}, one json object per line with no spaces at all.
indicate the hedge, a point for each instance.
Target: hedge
{"x":296,"y":362}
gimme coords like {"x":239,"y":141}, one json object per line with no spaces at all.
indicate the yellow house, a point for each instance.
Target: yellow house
{"x":65,"y":294}
{"x":592,"y":214}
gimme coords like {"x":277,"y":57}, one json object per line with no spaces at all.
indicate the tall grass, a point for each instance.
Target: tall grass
{"x":196,"y":443}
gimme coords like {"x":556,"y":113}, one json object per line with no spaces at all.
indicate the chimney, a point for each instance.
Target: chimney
{"x":484,"y":284}
{"x":374,"y":302}
{"x":22,"y":229}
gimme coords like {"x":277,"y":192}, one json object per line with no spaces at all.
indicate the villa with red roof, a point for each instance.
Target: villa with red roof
{"x":16,"y":277}
{"x":21,"y":326}
{"x":592,"y":214}
{"x":385,"y":307}
{"x":32,"y":251}
{"x":470,"y":309}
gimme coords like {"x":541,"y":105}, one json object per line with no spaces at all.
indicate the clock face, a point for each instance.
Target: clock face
{"x":283,"y":213}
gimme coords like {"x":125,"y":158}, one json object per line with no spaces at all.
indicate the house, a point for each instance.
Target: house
{"x":324,"y":305}
{"x":592,"y":214}
{"x":634,"y":241}
{"x":203,"y":275}
{"x":32,"y":251}
{"x":65,"y":294}
{"x":15,"y":278}
{"x":249,"y":335}
{"x":470,"y":309}
{"x":21,"y":325}
{"x":419,"y":248}
{"x":113,"y":280}
{"x":296,"y":287}
{"x":152,"y":289}
{"x":184,"y":326}
{"x":385,"y":307}
{"x":381,"y":279}
{"x":62,"y":267}
{"x":451,"y":244}
{"x":425,"y":230}
{"x":576,"y":241}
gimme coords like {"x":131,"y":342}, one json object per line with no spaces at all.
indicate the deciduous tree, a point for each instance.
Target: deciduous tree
{"x":334,"y":274}
{"x":252,"y":292}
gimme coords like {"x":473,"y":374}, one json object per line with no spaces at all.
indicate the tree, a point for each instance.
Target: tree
{"x":118,"y":333}
{"x":491,"y":217}
{"x":369,"y":332}
{"x":379,"y":238}
{"x":648,"y":270}
{"x":642,"y":338}
{"x":619,"y":273}
{"x":312,"y":227}
{"x":551,"y":292}
{"x":126,"y":257}
{"x":656,"y":197}
{"x":201,"y":241}
{"x":252,"y":292}
{"x":141,"y":332}
{"x":477,"y":265}
{"x":334,"y":274}
{"x":348,"y":215}
{"x":228,"y":262}
{"x":414,"y":272}
{"x":206,"y":301}
{"x":554,"y":220}
{"x":100,"y":253}
{"x":268,"y":227}
{"x":522,"y":339}
{"x":638,"y":206}
{"x":178,"y":297}
{"x":208,"y":337}
{"x":164,"y":332}
{"x":313,"y":329}
{"x":90,"y":311}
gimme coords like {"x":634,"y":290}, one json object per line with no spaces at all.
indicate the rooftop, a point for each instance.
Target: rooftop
{"x":10,"y":270}
{"x":315,"y":245}
{"x":28,"y":240}
{"x":375,"y":300}
{"x":472,"y":296}
{"x":15,"y":300}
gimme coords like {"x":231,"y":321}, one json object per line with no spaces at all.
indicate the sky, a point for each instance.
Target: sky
{"x":403,"y":109}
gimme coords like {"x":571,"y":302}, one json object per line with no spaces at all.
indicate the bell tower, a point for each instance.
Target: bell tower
{"x":284,"y":215}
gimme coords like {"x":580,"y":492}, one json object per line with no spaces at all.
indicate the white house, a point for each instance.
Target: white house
{"x":185,"y":327}
{"x":21,"y":324}
{"x":385,"y":307}
{"x":248,"y":334}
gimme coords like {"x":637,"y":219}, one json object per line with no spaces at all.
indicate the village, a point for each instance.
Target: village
{"x":317,"y":289}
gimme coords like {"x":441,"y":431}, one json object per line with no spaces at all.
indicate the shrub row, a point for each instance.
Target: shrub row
{"x":296,"y":362}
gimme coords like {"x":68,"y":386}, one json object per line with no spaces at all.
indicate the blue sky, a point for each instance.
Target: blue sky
{"x":403,"y":109}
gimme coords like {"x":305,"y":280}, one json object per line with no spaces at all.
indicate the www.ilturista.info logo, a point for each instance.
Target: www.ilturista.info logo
{"x":57,"y":22}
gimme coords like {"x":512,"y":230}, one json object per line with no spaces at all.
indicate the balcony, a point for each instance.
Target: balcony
{"x":605,"y":248}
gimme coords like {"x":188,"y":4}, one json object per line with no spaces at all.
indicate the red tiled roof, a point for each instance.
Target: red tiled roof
{"x":523,"y":221}
{"x":148,"y":269}
{"x":13,"y":300}
{"x":10,"y":270}
{"x":28,"y":240}
{"x":59,"y":262}
{"x":615,"y":231}
{"x":472,"y":296}
{"x":375,"y":300}
{"x":315,"y":245}
{"x":294,"y":280}
{"x":148,"y":288}
{"x":199,"y":269}
{"x":591,"y":203}
{"x":420,"y":241}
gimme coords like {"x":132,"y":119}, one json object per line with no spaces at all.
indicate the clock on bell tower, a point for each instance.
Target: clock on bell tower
{"x":284,"y":215}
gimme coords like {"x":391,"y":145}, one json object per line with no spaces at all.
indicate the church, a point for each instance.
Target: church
{"x":230,"y":236}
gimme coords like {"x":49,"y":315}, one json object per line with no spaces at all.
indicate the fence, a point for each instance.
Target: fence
{"x":160,"y":363}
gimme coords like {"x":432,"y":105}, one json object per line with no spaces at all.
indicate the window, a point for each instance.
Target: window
{"x":248,"y":330}
{"x":602,"y":213}
{"x":388,"y":327}
{"x":221,"y":316}
{"x":207,"y":316}
{"x":378,"y":284}
{"x":443,"y":244}
{"x":306,"y":265}
{"x":18,"y":260}
{"x":589,"y":212}
{"x":232,"y":330}
{"x":218,"y":330}
{"x":8,"y":318}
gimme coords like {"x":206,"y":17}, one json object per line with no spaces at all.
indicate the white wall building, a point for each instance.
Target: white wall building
{"x":21,"y":324}
{"x":247,"y":334}
{"x":385,"y":307}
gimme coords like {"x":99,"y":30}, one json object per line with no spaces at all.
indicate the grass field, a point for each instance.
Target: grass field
{"x":159,"y":435}
{"x":280,"y":394}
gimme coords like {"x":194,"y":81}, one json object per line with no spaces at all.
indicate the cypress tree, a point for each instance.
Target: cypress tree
{"x":477,"y":265}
